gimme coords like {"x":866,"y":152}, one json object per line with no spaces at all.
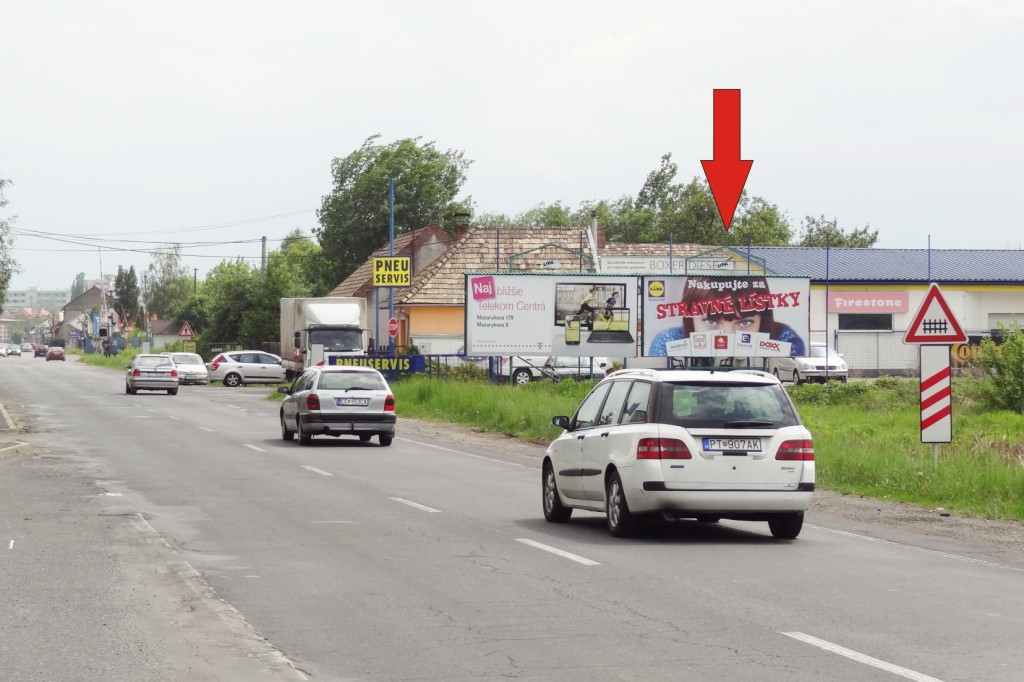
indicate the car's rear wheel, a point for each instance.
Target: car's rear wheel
{"x":522,"y":376}
{"x":285,"y":433}
{"x":786,"y":526}
{"x":304,"y":438}
{"x":127,"y":389}
{"x":364,"y":437}
{"x":172,"y":391}
{"x":621,"y":521}
{"x":385,"y":440}
{"x":554,"y":510}
{"x":233,"y":380}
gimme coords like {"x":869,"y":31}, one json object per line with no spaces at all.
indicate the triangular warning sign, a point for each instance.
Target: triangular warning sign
{"x":186,"y":332}
{"x":934,"y":322}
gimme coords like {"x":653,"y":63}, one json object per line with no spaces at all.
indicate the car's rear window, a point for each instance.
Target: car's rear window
{"x":186,"y":359}
{"x":343,"y":381}
{"x":726,"y":405}
{"x":152,"y":361}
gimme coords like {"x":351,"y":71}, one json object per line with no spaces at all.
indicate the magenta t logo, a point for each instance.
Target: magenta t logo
{"x":483,"y":287}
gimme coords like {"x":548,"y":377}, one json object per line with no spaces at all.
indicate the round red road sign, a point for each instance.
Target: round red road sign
{"x":393,"y":327}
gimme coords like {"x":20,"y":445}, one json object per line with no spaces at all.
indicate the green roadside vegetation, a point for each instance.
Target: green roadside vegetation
{"x":867,"y":436}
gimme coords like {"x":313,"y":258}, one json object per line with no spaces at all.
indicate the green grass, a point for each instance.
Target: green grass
{"x":867,"y":437}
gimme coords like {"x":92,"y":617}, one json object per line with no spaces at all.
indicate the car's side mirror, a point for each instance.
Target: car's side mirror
{"x":561,"y":421}
{"x":284,"y":389}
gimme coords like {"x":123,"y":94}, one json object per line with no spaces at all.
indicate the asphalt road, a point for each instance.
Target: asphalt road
{"x":152,"y":537}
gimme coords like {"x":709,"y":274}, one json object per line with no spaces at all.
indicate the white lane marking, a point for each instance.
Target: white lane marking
{"x":416,"y":505}
{"x":171,"y":416}
{"x":203,"y":428}
{"x":461,"y":452}
{"x":11,"y":546}
{"x":253,"y":447}
{"x":7,"y":418}
{"x":559,"y":552}
{"x":933,"y":552}
{"x":862,"y":658}
{"x":112,"y":494}
{"x":317,"y":471}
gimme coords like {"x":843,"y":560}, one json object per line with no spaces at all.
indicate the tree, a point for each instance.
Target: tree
{"x":78,"y":286}
{"x":354,"y":216}
{"x":126,"y":296}
{"x":167,"y":284}
{"x":8,"y":265}
{"x":823,"y":232}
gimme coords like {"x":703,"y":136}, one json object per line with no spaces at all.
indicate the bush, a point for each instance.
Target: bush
{"x":1003,"y":370}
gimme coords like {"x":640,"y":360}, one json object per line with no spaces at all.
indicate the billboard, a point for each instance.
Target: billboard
{"x":725,"y":315}
{"x":551,"y":315}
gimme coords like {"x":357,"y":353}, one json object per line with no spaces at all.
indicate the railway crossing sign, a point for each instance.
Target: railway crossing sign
{"x":934,"y":322}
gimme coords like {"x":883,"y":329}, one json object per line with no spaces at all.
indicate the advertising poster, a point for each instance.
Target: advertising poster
{"x":551,"y":315}
{"x":725,"y":316}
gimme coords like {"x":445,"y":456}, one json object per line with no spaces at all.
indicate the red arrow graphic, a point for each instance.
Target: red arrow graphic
{"x":726,"y":173}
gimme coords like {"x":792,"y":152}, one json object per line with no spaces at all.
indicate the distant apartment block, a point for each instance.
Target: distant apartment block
{"x":35,"y":298}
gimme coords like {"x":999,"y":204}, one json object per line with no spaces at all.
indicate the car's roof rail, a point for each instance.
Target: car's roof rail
{"x":755,"y":372}
{"x":642,"y":371}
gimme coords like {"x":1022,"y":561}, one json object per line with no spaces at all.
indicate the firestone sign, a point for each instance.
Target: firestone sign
{"x":868,"y":302}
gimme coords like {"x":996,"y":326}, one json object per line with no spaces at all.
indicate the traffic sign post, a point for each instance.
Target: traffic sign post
{"x":934,"y":328}
{"x":186,"y":333}
{"x":393,"y":327}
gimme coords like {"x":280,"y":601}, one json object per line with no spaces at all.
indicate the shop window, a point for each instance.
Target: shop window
{"x":865,"y":322}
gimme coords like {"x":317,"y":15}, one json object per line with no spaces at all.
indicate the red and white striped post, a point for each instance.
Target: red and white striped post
{"x":936,"y":395}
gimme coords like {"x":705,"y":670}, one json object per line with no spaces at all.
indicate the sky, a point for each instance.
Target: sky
{"x":128,"y":126}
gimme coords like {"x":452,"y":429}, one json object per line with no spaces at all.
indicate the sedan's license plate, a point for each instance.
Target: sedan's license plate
{"x":351,"y":402}
{"x":732,"y":444}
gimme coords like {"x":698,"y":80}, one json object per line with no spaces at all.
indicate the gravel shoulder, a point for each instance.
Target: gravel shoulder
{"x":886,"y":519}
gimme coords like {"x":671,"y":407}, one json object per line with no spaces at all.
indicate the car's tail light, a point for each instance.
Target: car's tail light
{"x":802,"y":450}
{"x":662,"y":448}
{"x":216,"y":362}
{"x":389,"y":404}
{"x":136,"y":372}
{"x":174,"y":373}
{"x":312,"y":401}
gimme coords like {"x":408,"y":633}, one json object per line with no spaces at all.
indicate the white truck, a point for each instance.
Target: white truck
{"x":318,"y":330}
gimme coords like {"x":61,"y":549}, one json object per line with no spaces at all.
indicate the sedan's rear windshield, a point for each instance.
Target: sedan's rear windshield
{"x":726,"y":405}
{"x":152,"y":360}
{"x":185,"y":359}
{"x":344,"y":381}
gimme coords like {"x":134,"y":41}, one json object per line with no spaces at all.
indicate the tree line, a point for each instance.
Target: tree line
{"x":237,"y":301}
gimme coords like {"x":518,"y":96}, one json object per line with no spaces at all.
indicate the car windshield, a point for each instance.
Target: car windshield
{"x":186,"y":359}
{"x":336,"y":339}
{"x":726,"y":405}
{"x":819,"y":351}
{"x":346,"y":381}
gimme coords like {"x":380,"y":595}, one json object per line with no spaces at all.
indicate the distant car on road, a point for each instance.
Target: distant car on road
{"x":14,"y":349}
{"x":338,"y":401}
{"x":150,"y":372}
{"x":525,"y":369}
{"x":40,"y":351}
{"x":55,"y":353}
{"x":26,"y":349}
{"x":821,"y":364}
{"x":191,"y":369}
{"x":240,"y":367}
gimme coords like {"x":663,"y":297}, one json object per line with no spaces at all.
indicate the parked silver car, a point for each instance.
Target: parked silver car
{"x":820,"y":364}
{"x":338,"y":401}
{"x":240,"y":367}
{"x":191,"y":369}
{"x":150,"y":372}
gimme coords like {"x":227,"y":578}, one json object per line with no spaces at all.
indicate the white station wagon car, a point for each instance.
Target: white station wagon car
{"x":704,"y":445}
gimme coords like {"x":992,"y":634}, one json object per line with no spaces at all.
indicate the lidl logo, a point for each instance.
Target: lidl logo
{"x":656,"y":288}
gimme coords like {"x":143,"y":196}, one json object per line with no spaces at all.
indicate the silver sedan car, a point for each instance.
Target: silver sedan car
{"x":151,"y":373}
{"x":191,"y":369}
{"x":338,"y":401}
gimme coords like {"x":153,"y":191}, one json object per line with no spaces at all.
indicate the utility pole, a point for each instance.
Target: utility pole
{"x":195,"y":279}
